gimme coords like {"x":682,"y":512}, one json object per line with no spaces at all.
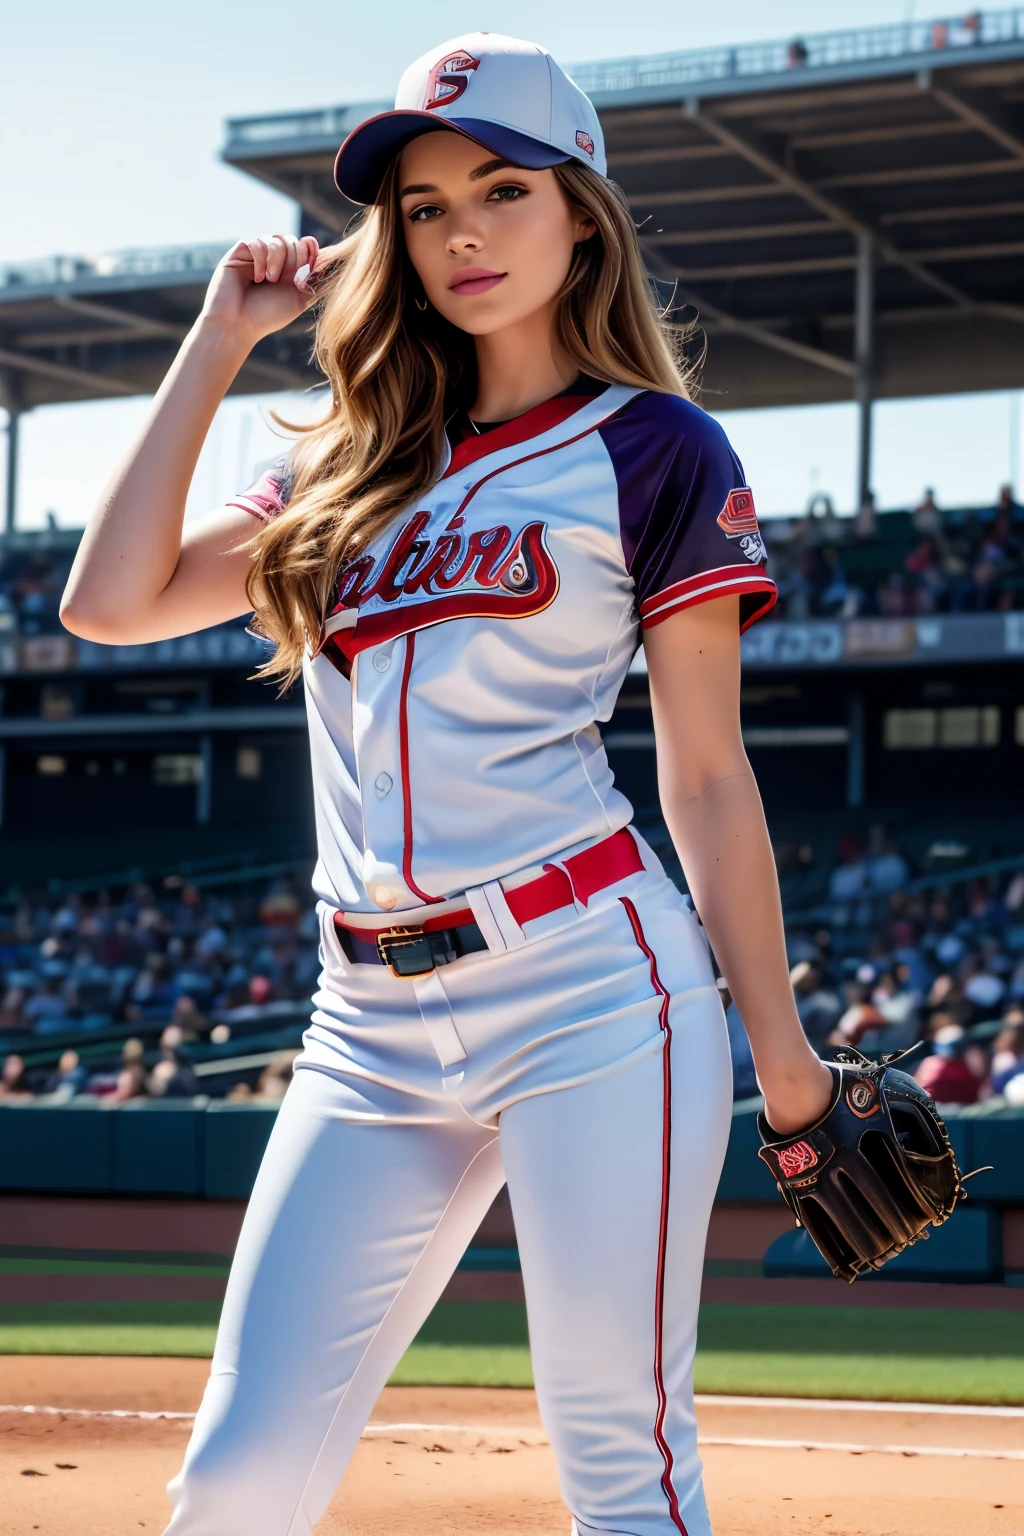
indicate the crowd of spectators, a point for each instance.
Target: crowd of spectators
{"x":889,"y":967}
{"x":883,"y":966}
{"x":931,"y":561}
{"x":167,"y":961}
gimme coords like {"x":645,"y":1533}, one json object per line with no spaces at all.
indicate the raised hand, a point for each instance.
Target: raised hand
{"x":262,"y":285}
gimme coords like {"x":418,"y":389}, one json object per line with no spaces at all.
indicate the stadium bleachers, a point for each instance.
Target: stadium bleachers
{"x":149,"y":1018}
{"x":900,"y":563}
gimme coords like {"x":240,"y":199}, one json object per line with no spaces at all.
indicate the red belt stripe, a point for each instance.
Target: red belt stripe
{"x":583,"y":875}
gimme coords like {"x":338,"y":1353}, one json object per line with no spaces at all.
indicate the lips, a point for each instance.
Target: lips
{"x":473,"y":280}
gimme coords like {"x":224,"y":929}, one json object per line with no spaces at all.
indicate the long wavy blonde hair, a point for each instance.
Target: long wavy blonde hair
{"x":397,"y":374}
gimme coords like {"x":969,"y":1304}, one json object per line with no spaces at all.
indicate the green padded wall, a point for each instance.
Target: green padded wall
{"x":52,"y":1147}
{"x":158,"y":1148}
{"x":199,"y":1148}
{"x":236,"y":1135}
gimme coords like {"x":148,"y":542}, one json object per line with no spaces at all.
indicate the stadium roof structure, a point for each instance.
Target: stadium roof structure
{"x":845,"y":212}
{"x":773,"y":182}
{"x":90,"y":327}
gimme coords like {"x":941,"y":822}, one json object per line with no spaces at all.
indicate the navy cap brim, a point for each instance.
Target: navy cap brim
{"x":367,"y":152}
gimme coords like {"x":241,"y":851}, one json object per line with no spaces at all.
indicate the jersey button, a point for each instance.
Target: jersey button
{"x":385,"y":897}
{"x":381,"y":662}
{"x":382,"y":784}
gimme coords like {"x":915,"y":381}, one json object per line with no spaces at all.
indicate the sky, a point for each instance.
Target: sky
{"x":112,"y":125}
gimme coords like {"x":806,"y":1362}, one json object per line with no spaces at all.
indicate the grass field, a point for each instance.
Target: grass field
{"x":924,"y":1355}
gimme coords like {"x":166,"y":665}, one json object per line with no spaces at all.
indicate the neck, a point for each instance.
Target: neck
{"x":520,"y":367}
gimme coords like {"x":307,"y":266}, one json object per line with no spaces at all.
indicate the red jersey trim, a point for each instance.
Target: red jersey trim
{"x":262,"y":500}
{"x":254,"y":508}
{"x":550,"y":413}
{"x":702,"y":588}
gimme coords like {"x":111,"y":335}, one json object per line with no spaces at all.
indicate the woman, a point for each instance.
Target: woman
{"x":509,"y":482}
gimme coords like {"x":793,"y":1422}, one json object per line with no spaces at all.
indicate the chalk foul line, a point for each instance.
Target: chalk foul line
{"x":853,"y":1449}
{"x":95,"y":1413}
{"x":520,"y":1432}
{"x":857,"y":1405}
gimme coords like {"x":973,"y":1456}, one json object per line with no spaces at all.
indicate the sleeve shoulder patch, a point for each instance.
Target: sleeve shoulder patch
{"x":738,"y":521}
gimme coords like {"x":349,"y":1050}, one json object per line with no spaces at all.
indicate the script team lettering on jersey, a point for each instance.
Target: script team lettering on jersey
{"x":419,"y":581}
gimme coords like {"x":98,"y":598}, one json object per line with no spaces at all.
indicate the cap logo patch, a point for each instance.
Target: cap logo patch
{"x":738,"y":520}
{"x":448,"y":79}
{"x":584,"y":141}
{"x":796,"y":1159}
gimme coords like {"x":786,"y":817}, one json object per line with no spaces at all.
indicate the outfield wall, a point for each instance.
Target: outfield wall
{"x":190,"y":1165}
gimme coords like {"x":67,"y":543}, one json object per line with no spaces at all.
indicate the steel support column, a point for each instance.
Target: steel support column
{"x":11,"y":484}
{"x":864,"y":357}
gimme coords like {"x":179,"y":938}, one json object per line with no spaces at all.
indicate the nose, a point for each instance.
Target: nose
{"x":464,"y":236}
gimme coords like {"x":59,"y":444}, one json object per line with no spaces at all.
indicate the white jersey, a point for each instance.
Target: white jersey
{"x":469,"y":655}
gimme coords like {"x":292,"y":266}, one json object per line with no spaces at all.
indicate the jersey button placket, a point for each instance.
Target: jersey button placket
{"x":378,"y":761}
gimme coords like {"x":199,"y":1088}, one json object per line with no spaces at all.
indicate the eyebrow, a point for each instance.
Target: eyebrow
{"x":487,"y":169}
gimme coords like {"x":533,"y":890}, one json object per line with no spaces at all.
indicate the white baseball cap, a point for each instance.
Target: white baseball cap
{"x":508,"y":96}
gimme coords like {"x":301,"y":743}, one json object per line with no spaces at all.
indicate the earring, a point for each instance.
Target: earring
{"x":421,"y":307}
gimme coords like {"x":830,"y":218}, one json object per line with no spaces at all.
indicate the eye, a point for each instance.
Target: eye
{"x":424,"y":212}
{"x":506,"y":193}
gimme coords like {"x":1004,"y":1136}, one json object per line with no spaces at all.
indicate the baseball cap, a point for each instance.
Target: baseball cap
{"x":507,"y":95}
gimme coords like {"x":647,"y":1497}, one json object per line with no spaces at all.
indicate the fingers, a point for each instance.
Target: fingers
{"x":249,"y":257}
{"x":281,"y":253}
{"x":273,"y":257}
{"x":309,"y":250}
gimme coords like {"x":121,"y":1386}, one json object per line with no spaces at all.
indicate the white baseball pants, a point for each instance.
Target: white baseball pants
{"x":589,"y":1066}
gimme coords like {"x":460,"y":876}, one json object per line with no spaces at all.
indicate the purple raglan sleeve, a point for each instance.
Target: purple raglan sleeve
{"x":687,"y":520}
{"x":268,"y":496}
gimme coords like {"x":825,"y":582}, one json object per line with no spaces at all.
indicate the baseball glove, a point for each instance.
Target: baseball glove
{"x":874,"y":1174}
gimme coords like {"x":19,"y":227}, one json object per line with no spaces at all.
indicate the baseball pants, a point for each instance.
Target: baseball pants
{"x":588,"y":1066}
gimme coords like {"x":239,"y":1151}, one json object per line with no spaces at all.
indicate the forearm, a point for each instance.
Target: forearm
{"x":723,"y":844}
{"x":130,"y":548}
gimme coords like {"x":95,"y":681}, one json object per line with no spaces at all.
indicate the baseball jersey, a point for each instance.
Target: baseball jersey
{"x":469,"y":654}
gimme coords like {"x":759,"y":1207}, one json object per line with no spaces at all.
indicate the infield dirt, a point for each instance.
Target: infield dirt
{"x":92,"y":1476}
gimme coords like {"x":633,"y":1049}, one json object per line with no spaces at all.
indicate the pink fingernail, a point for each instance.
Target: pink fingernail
{"x":302,"y":276}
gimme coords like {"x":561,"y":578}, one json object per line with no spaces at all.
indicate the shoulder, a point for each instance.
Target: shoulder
{"x":673,"y":465}
{"x":686,"y":516}
{"x":663,"y":423}
{"x":269,"y":494}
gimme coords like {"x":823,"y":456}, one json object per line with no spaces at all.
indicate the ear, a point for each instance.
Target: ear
{"x":585,"y":228}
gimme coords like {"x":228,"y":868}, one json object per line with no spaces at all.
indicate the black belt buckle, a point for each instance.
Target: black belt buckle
{"x":412,"y":952}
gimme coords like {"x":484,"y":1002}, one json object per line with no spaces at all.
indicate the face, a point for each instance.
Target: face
{"x":490,"y":243}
